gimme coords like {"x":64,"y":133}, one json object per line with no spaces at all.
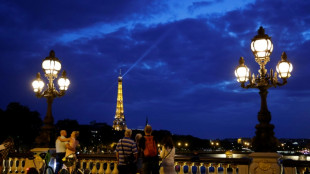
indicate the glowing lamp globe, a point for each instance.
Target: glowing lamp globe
{"x":284,"y":67}
{"x":38,"y":84}
{"x":242,"y":72}
{"x":51,"y":65}
{"x":262,"y":46}
{"x":63,"y":82}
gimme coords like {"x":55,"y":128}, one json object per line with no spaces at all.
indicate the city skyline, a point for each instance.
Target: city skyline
{"x":177,"y":60}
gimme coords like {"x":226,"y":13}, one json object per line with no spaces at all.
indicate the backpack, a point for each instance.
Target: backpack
{"x":150,"y":147}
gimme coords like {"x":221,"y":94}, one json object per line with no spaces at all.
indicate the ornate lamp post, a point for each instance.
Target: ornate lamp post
{"x":51,"y":67}
{"x":261,"y":46}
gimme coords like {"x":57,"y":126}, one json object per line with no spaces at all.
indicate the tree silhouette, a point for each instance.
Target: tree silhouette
{"x":68,"y":125}
{"x":23,"y":125}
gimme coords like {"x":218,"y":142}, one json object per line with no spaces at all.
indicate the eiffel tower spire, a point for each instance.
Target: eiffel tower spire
{"x":119,"y":122}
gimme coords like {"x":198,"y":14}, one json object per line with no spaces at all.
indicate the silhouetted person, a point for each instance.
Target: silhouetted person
{"x":140,"y":154}
{"x":126,"y":147}
{"x":150,"y":153}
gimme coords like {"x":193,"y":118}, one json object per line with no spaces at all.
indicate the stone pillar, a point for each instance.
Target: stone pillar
{"x":265,"y":163}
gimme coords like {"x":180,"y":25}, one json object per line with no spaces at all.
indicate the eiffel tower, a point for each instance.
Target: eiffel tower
{"x":119,"y":122}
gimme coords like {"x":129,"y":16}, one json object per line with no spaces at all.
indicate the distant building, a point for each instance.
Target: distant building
{"x":119,"y":122}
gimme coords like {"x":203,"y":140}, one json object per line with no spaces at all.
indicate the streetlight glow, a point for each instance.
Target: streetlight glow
{"x":242,"y":72}
{"x":51,"y":65}
{"x":262,"y":46}
{"x":284,"y":67}
{"x":38,"y":84}
{"x":63,"y":82}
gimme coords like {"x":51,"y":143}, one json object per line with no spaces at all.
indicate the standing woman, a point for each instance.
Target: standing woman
{"x":140,"y":154}
{"x":167,"y":155}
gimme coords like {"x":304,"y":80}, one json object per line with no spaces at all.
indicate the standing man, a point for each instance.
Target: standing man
{"x":126,"y":147}
{"x":148,"y":144}
{"x":60,"y":150}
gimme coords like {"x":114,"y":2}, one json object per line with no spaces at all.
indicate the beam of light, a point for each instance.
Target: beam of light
{"x":148,"y":51}
{"x":143,"y":55}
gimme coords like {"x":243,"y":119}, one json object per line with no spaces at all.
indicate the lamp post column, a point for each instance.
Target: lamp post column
{"x":49,"y":120}
{"x":264,"y":140}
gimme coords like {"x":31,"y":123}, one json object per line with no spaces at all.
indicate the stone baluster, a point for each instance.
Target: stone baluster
{"x":181,"y":168}
{"x":115,"y":170}
{"x":3,"y":166}
{"x":175,"y":164}
{"x":207,"y":166}
{"x":197,"y":166}
{"x":94,"y":167}
{"x":225,"y":167}
{"x":200,"y":165}
{"x":88,"y":164}
{"x":80,"y":161}
{"x":16,"y":165}
{"x":101,"y":169}
{"x":22,"y":165}
{"x":216,"y":168}
{"x":190,"y":167}
{"x":108,"y":170}
{"x":234,"y":167}
{"x":11,"y":165}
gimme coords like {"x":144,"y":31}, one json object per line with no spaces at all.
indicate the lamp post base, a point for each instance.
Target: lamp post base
{"x":46,"y":138}
{"x":264,"y":163}
{"x":264,"y":139}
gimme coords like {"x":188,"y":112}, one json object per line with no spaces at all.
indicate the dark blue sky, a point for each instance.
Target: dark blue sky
{"x":179,"y":58}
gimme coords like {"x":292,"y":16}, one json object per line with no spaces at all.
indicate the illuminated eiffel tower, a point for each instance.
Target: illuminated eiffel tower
{"x":119,"y":123}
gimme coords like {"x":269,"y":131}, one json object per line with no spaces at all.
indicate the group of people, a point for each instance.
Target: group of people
{"x":65,"y":147}
{"x":142,"y":155}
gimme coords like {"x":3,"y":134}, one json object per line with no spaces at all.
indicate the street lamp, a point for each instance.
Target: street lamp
{"x":51,"y":67}
{"x":262,"y":47}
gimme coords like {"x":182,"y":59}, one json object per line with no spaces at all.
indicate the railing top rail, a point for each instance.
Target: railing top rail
{"x":295,"y":163}
{"x":240,"y":161}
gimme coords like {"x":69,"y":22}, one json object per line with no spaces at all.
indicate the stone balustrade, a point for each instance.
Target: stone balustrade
{"x":107,"y":164}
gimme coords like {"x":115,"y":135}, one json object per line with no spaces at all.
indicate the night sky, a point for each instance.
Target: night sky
{"x":177,"y":59}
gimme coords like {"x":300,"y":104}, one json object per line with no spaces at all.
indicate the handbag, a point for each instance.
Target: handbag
{"x":161,"y":164}
{"x":128,"y":159}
